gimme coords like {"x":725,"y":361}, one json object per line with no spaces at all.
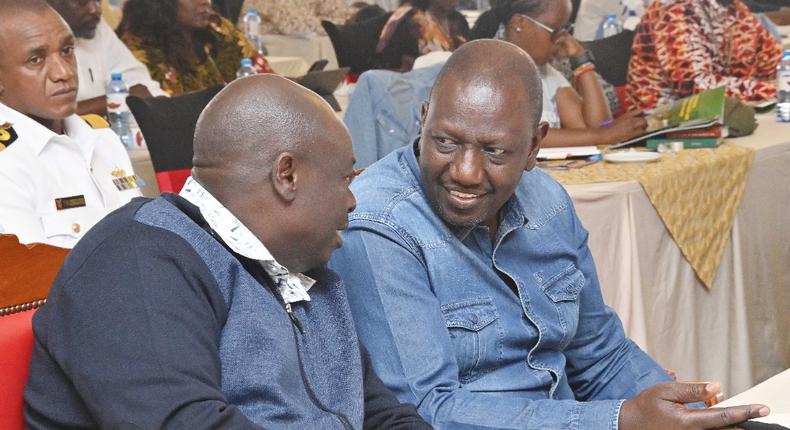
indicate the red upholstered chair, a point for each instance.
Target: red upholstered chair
{"x":168,"y":125}
{"x":26,"y":275}
{"x":16,"y":344}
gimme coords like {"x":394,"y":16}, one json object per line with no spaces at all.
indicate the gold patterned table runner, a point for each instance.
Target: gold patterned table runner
{"x":695,"y":192}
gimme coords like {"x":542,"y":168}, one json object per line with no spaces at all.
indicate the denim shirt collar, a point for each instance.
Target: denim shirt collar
{"x":513,"y":214}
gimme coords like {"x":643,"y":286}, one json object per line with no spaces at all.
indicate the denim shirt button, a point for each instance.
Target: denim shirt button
{"x":474,"y":319}
{"x":392,"y":131}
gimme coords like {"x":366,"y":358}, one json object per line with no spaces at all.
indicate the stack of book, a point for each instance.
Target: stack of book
{"x":681,"y":119}
{"x":708,"y":137}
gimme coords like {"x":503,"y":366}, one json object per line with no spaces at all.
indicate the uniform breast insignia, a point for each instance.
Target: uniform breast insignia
{"x":70,"y":202}
{"x":124,"y":182}
{"x":95,"y":121}
{"x":7,"y":135}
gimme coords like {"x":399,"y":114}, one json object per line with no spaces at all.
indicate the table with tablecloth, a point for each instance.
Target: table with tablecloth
{"x":734,"y":331}
{"x":311,"y":47}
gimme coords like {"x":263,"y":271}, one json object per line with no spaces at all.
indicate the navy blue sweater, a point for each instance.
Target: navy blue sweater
{"x":153,"y":322}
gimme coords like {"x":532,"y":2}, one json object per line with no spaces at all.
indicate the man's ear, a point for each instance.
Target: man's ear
{"x":284,"y":176}
{"x":424,"y":112}
{"x":537,"y":138}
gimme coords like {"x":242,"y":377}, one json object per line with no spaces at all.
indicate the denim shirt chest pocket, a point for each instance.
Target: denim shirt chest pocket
{"x":562,"y":291}
{"x":476,"y":334}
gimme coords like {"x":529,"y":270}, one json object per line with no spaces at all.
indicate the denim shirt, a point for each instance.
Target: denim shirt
{"x":383,"y":112}
{"x":513,"y":335}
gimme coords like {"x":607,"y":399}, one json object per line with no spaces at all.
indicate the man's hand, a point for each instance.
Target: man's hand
{"x":663,"y":407}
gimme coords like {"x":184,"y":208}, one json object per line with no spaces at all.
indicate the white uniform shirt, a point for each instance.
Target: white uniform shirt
{"x":103,"y":55}
{"x":40,"y":169}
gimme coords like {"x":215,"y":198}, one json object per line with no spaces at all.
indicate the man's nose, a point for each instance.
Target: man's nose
{"x":467,"y":167}
{"x":94,"y":8}
{"x":62,"y":69}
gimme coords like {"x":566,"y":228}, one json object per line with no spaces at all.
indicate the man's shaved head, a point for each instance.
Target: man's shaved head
{"x":276,"y":155}
{"x":480,"y":131}
{"x":8,"y":8}
{"x":252,"y":121}
{"x":493,"y":64}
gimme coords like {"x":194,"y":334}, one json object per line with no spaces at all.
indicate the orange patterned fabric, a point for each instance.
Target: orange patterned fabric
{"x":682,"y":47}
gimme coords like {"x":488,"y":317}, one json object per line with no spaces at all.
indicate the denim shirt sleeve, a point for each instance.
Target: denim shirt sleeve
{"x":602,"y":363}
{"x":399,"y":320}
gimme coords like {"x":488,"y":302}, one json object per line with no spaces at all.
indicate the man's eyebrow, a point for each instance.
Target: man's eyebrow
{"x":36,"y":50}
{"x":67,"y":40}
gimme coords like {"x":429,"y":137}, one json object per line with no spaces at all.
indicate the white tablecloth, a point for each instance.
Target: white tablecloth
{"x":309,"y":48}
{"x":288,"y":66}
{"x":141,"y":163}
{"x":736,"y":332}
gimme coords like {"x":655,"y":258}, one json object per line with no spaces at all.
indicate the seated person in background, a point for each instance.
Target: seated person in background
{"x":99,"y":54}
{"x":576,"y":113}
{"x":682,"y":47}
{"x":297,"y":16}
{"x":185,"y":44}
{"x":193,"y":310}
{"x":471,"y":283}
{"x":419,"y":27}
{"x":58,"y":176}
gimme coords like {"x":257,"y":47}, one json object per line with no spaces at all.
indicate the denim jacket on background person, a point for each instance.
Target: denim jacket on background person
{"x":446,"y":332}
{"x":383,"y":112}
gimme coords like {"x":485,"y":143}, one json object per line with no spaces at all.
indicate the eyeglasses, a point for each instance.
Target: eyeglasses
{"x":555,"y":33}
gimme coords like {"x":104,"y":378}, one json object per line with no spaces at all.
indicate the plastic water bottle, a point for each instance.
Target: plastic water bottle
{"x":252,"y":28}
{"x":245,"y":68}
{"x":611,"y":26}
{"x":117,"y":110}
{"x":783,"y":89}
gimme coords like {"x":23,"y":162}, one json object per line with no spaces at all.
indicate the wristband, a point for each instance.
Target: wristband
{"x":581,"y":59}
{"x":584,"y":68}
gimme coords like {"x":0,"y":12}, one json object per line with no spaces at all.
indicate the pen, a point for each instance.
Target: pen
{"x":90,"y":72}
{"x":608,"y":122}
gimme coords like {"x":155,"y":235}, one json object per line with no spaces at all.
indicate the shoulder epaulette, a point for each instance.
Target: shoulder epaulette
{"x":7,"y":135}
{"x":95,"y":121}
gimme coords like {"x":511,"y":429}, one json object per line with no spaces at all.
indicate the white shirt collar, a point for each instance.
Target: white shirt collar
{"x":34,"y":135}
{"x":292,"y":287}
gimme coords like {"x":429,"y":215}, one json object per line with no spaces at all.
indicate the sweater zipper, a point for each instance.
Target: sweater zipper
{"x":298,"y":326}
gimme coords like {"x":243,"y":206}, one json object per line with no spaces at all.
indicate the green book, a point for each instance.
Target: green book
{"x":688,"y":142}
{"x":698,"y":111}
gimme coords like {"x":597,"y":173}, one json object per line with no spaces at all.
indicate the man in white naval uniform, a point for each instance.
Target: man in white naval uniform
{"x":58,"y":175}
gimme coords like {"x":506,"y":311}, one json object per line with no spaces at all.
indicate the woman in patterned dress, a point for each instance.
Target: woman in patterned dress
{"x":682,"y":47}
{"x":185,"y":44}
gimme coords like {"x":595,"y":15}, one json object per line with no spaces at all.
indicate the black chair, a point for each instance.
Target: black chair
{"x":168,"y":125}
{"x":355,"y":44}
{"x":612,"y":55}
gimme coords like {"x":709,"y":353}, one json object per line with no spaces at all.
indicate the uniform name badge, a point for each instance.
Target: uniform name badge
{"x":125,"y":182}
{"x":70,"y":202}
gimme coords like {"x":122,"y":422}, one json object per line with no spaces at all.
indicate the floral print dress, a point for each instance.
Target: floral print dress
{"x":682,"y":47}
{"x":224,"y":49}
